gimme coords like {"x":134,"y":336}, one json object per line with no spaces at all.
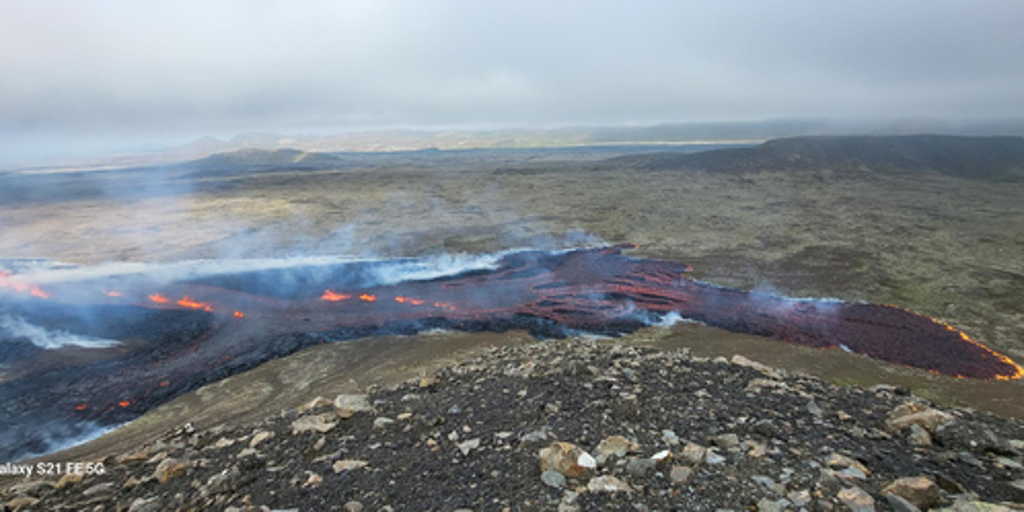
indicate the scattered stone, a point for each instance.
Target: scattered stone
{"x":800,"y":498}
{"x":913,"y":413}
{"x":640,"y":468}
{"x":427,"y":381}
{"x":711,"y":457}
{"x":770,"y":484}
{"x":315,"y":403}
{"x":680,"y":474}
{"x":920,"y":491}
{"x":19,"y":502}
{"x":755,"y":449}
{"x":137,"y":456}
{"x":104,"y":488}
{"x":946,"y":483}
{"x":616,"y":446}
{"x":536,"y":436}
{"x":856,"y":500}
{"x":919,"y":436}
{"x":607,"y":483}
{"x":169,"y":469}
{"x":567,"y":459}
{"x":315,"y":423}
{"x":670,"y":437}
{"x":467,"y":446}
{"x":814,"y":408}
{"x":773,"y":373}
{"x":970,"y":437}
{"x":246,"y":453}
{"x":349,"y":465}
{"x":726,"y":441}
{"x":31,"y":488}
{"x":314,"y":480}
{"x":69,"y":479}
{"x":382,"y":422}
{"x":900,"y":504}
{"x":404,"y":416}
{"x":152,"y":504}
{"x":259,"y":437}
{"x":768,"y":505}
{"x":838,"y":461}
{"x":553,"y":479}
{"x":974,"y":506}
{"x":693,"y":453}
{"x":347,"y":406}
{"x":226,"y":481}
{"x":662,"y":457}
{"x":223,"y":442}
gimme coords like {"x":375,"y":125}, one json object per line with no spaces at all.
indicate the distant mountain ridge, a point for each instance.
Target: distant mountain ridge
{"x":967,"y":157}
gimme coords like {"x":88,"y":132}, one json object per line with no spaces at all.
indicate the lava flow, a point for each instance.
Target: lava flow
{"x":230,"y":325}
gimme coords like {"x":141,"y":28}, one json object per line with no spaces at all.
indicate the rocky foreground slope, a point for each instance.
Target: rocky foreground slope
{"x":574,"y":425}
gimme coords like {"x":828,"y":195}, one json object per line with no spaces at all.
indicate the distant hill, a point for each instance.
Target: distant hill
{"x":245,"y":160}
{"x":968,"y":157}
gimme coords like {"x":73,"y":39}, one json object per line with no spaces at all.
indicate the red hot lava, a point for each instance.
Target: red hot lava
{"x":604,"y":291}
{"x":549,"y":294}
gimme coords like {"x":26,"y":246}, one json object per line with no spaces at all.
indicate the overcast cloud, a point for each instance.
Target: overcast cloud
{"x":81,"y":72}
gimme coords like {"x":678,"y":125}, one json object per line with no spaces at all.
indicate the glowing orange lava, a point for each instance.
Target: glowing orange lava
{"x":81,"y":407}
{"x":159,"y":299}
{"x":189,"y":302}
{"x":1018,"y":370}
{"x":21,"y":286}
{"x":239,"y":314}
{"x":366,"y":297}
{"x":334,"y":296}
{"x":124,"y":403}
{"x":406,"y":300}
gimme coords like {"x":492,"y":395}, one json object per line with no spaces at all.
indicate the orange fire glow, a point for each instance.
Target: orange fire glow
{"x":406,"y":300}
{"x":124,"y":403}
{"x":113,"y":293}
{"x":334,"y":296}
{"x":159,"y":299}
{"x":81,"y":407}
{"x":189,"y":302}
{"x":366,"y":297}
{"x":1018,"y":370}
{"x":444,"y":305}
{"x":21,"y":286}
{"x":239,"y":314}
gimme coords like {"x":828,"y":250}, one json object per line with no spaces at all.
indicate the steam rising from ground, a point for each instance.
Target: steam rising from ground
{"x":391,"y":272}
{"x":16,"y":327}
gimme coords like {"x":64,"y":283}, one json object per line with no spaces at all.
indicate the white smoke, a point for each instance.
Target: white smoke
{"x":61,"y":436}
{"x":671,"y":319}
{"x":17,"y":327}
{"x":393,"y":272}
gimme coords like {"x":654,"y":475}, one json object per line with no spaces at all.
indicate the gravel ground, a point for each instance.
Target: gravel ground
{"x":573,"y":425}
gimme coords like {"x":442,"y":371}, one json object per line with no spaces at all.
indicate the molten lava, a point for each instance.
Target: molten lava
{"x":334,"y":297}
{"x":188,"y":302}
{"x":549,"y":294}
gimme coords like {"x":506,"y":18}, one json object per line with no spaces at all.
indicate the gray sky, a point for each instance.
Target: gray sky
{"x":108,"y":74}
